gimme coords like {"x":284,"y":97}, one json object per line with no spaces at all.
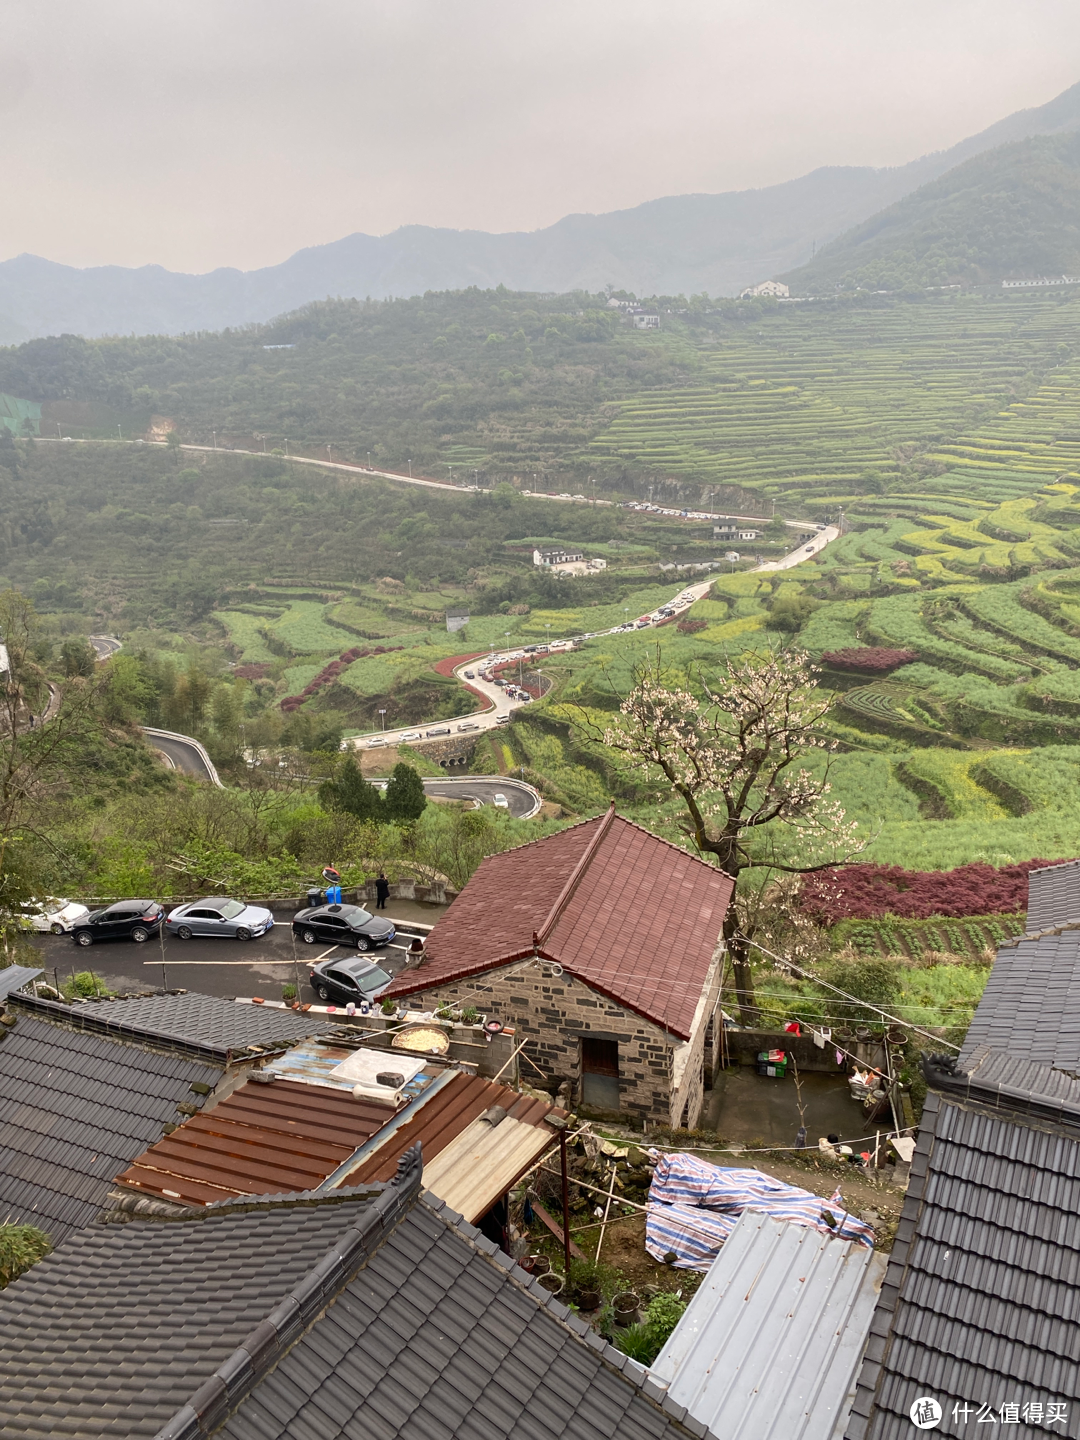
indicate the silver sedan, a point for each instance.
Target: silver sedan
{"x":215,"y":916}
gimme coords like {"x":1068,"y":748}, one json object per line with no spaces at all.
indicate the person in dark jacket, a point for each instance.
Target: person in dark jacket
{"x":382,"y":891}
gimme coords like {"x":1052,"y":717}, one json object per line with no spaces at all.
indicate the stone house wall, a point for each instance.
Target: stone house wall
{"x":661,"y":1077}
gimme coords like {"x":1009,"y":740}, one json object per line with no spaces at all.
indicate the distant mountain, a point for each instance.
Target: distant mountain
{"x":1012,"y":213}
{"x":683,"y":244}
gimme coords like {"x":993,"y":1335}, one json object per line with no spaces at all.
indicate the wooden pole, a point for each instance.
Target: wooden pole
{"x":607,"y":1207}
{"x":565,"y":1203}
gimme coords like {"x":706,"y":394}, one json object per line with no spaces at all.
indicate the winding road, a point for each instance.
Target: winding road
{"x":189,"y":756}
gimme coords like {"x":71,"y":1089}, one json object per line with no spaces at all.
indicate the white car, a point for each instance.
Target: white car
{"x":469,"y":725}
{"x":502,"y":802}
{"x":410,"y":735}
{"x":377,"y":743}
{"x":56,"y":916}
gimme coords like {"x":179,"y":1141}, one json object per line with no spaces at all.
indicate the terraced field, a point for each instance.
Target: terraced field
{"x":816,"y":405}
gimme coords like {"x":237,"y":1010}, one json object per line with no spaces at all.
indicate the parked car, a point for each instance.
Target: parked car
{"x":809,"y":549}
{"x":58,"y":916}
{"x":377,"y":743}
{"x":503,"y":719}
{"x":340,"y":981}
{"x":343,"y":925}
{"x":411,"y":735}
{"x":469,"y":725}
{"x":501,"y":801}
{"x":230,"y":919}
{"x":440,"y":730}
{"x":470,"y":674}
{"x":125,"y":920}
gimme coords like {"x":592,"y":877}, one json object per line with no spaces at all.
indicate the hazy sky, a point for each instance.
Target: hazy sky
{"x":197,"y":133}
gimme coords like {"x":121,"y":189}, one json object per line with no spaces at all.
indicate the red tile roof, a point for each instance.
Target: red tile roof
{"x":632,"y":916}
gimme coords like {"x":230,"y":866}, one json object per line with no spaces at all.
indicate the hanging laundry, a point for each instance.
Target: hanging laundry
{"x":839,"y":1057}
{"x":819,"y":1039}
{"x":792,"y":1027}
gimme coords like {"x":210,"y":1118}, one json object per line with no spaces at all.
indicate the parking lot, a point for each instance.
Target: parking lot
{"x":225,"y":968}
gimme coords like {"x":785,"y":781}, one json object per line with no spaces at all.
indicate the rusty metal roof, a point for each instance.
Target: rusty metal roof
{"x":440,"y":1119}
{"x":263,"y":1139}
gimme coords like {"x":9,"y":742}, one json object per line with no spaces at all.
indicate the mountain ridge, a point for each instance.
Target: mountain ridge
{"x":682,"y":244}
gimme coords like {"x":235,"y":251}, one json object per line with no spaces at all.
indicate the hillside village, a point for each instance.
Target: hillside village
{"x":540,"y":767}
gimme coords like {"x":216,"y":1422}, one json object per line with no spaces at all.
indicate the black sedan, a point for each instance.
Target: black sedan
{"x":342,"y":925}
{"x":125,"y":920}
{"x":340,"y":981}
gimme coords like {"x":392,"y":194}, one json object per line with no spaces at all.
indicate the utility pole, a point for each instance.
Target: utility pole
{"x":383,"y":714}
{"x":119,"y":432}
{"x":58,"y":435}
{"x":410,"y":469}
{"x":286,"y":445}
{"x":214,"y":434}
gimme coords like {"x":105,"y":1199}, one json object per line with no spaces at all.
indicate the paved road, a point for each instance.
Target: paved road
{"x":814,"y":545}
{"x":213,"y":967}
{"x":184,"y":754}
{"x":104,"y":645}
{"x":523,"y":802}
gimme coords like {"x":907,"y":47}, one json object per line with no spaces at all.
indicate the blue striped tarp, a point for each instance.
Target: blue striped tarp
{"x":693,"y":1207}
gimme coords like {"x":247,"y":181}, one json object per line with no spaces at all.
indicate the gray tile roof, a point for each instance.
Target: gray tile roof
{"x":435,"y":1339}
{"x":1031,"y":1004}
{"x":75,"y":1110}
{"x":1054,"y":895}
{"x":981,"y":1301}
{"x":315,"y":1317}
{"x":111,"y":1334}
{"x":202,"y":1023}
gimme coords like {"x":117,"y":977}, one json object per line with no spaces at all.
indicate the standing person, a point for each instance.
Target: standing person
{"x":382,"y":891}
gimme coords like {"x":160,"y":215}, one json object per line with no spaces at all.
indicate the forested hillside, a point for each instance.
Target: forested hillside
{"x":1013,"y":212}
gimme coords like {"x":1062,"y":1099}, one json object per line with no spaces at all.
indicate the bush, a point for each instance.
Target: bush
{"x":20,"y":1247}
{"x":869,"y":660}
{"x":869,"y":892}
{"x":644,"y":1342}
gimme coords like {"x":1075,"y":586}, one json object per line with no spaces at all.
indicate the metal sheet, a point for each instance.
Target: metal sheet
{"x":442,"y":1118}
{"x":260,"y":1140}
{"x":482,"y":1163}
{"x":14,"y":977}
{"x":770,"y":1345}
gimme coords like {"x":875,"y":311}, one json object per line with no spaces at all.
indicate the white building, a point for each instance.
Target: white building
{"x":728,"y":530}
{"x":567,"y":562}
{"x":774,"y":289}
{"x":647,"y":322}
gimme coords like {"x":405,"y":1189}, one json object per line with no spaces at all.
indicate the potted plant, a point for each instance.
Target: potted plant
{"x":389,"y":1007}
{"x":626,"y":1305}
{"x":587,"y":1279}
{"x":288,"y":994}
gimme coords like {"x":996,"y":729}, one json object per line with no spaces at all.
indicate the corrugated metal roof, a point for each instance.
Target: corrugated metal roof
{"x":770,"y":1345}
{"x":263,"y":1139}
{"x":482,"y":1163}
{"x":14,"y":977}
{"x":316,"y":1063}
{"x":440,"y":1119}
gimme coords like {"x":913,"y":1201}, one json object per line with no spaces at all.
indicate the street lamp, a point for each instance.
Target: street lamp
{"x":369,"y":459}
{"x":410,"y":469}
{"x":330,"y":454}
{"x":214,"y":434}
{"x":286,"y":445}
{"x":119,"y":432}
{"x":451,"y":469}
{"x":58,"y":435}
{"x":383,"y":714}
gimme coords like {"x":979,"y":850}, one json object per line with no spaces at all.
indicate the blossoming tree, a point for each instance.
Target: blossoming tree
{"x":731,"y":752}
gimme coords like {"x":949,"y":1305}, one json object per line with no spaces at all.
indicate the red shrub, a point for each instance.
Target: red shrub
{"x":331,"y":672}
{"x":867,"y":892}
{"x":690,"y":627}
{"x":868,"y":659}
